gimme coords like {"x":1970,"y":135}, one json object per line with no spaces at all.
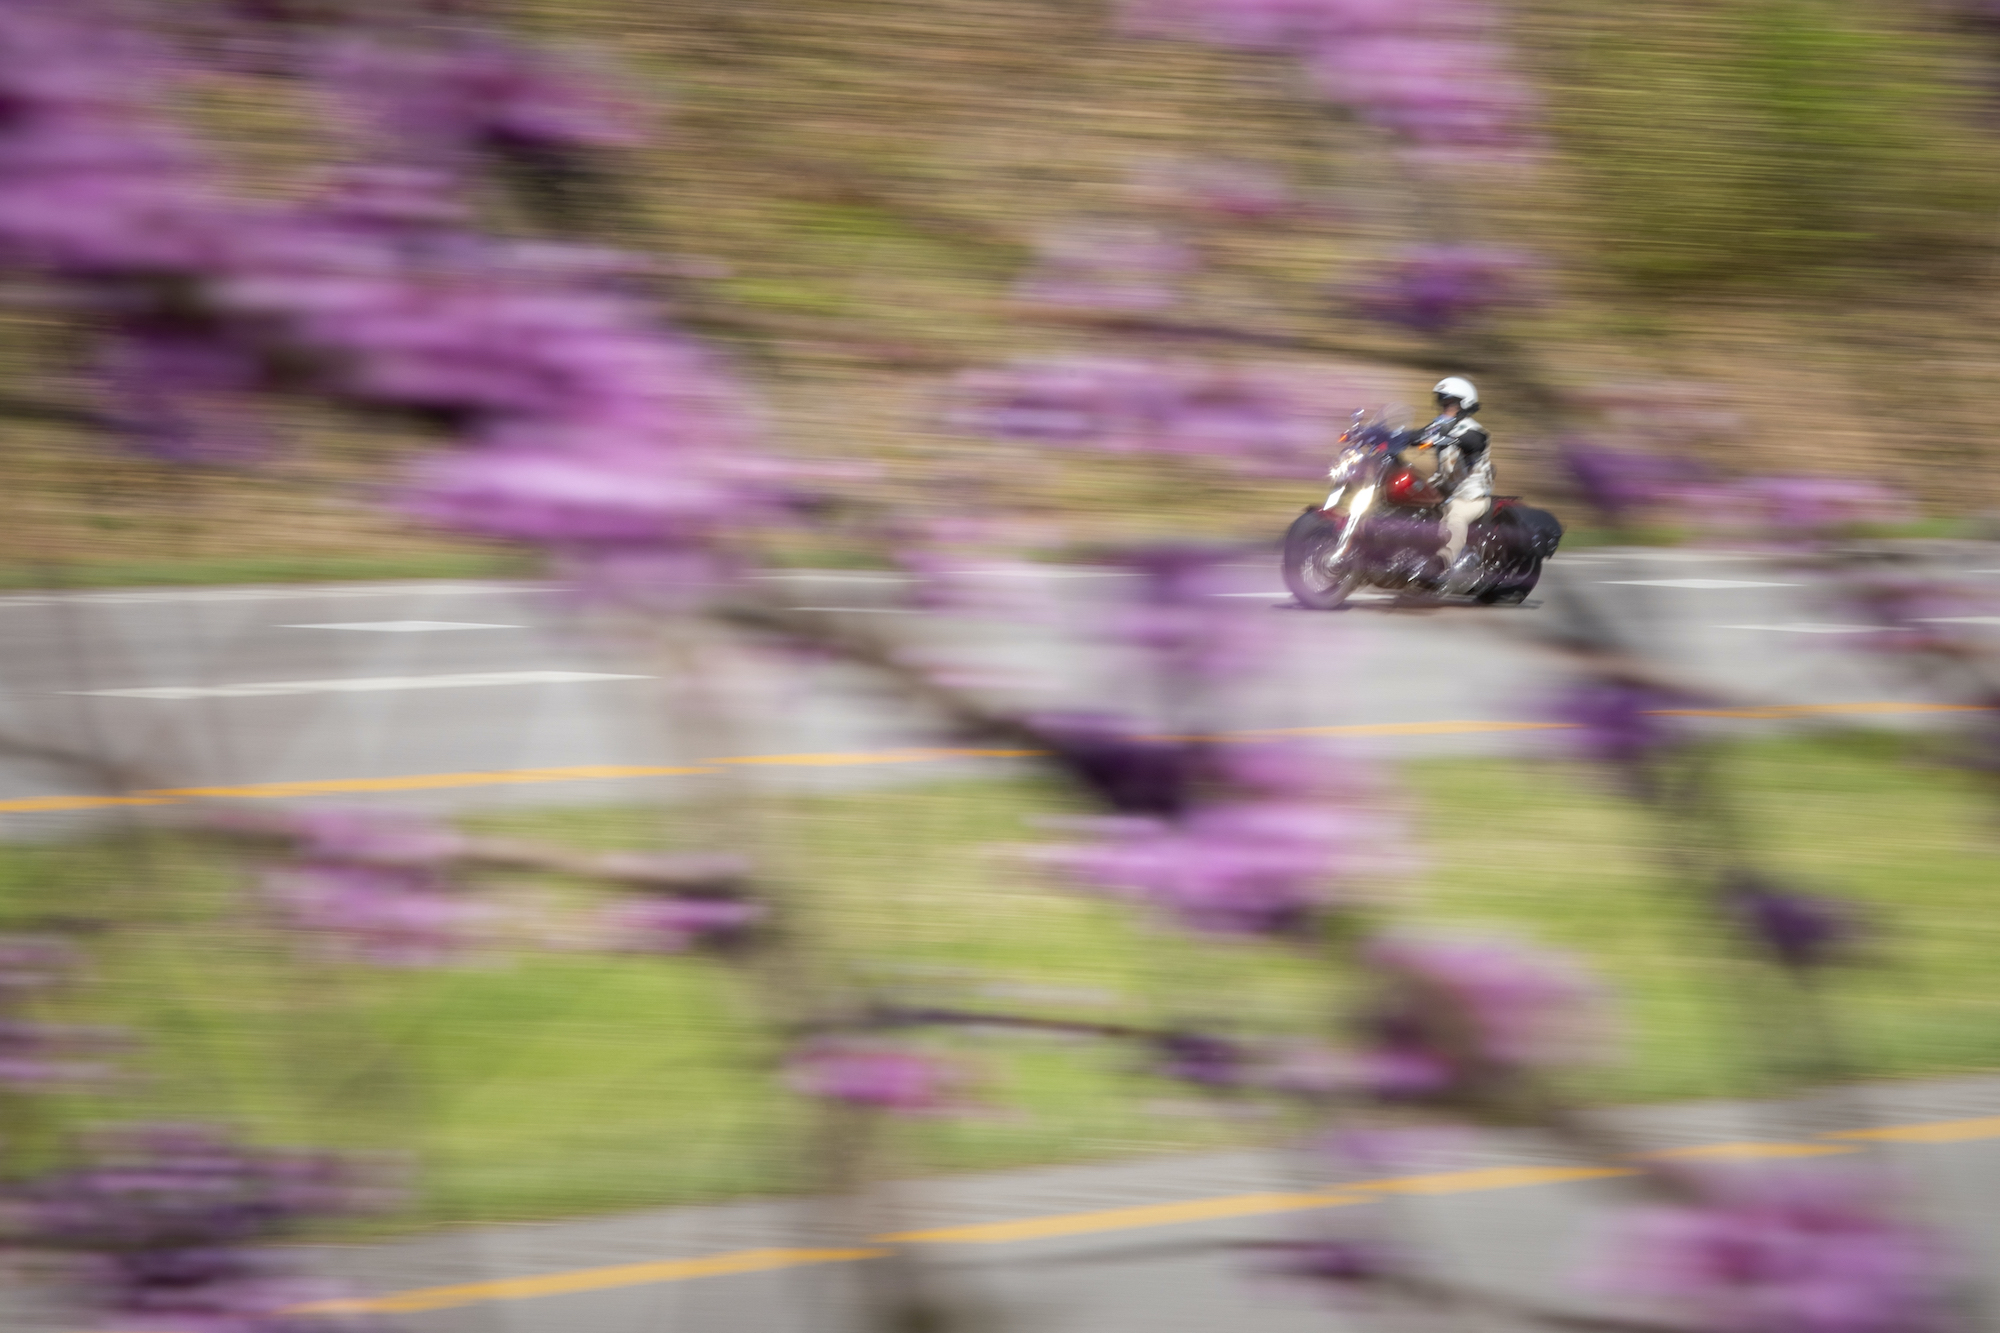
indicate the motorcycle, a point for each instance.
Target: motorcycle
{"x":1382,"y":526}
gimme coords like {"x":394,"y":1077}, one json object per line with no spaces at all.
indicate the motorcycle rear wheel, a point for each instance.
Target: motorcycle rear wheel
{"x":1316,"y":586}
{"x":1514,"y":590}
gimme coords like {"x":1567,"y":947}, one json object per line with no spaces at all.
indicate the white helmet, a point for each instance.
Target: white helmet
{"x":1456,"y":389}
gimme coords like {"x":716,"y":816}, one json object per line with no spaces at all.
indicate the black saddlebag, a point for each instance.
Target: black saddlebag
{"x":1538,"y":529}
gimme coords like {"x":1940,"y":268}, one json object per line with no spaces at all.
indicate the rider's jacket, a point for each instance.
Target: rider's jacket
{"x":1464,"y":464}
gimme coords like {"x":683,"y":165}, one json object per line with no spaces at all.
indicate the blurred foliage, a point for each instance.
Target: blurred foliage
{"x":543,"y":1083}
{"x":1742,"y":193}
{"x":1774,"y":143}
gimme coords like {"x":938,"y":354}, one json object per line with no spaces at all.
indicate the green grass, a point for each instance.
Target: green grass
{"x":546,"y":1083}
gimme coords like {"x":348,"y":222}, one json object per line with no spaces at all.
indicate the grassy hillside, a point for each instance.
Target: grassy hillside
{"x":1787,"y":204}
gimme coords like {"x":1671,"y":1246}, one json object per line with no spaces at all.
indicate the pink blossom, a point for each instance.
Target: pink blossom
{"x":1251,"y":419}
{"x":1823,"y":506}
{"x":569,"y":497}
{"x":432,"y":102}
{"x":181,"y":394}
{"x":90,"y":183}
{"x":1433,"y":288}
{"x":1423,"y":69}
{"x":380,"y":915}
{"x":1917,"y":613}
{"x":1098,"y":402}
{"x":166,"y":1228}
{"x":875,"y":1075}
{"x":1256,"y":868}
{"x":373,"y":837}
{"x":1506,"y":1004}
{"x":1791,"y":1250}
{"x":659,"y":924}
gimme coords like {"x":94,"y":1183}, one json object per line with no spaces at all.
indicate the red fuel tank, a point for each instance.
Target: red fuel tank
{"x":1404,"y":487}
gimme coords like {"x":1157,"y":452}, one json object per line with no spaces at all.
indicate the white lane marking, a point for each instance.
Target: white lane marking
{"x":358,"y":684}
{"x":1959,"y":620}
{"x":867,"y":610}
{"x":1698,"y":583}
{"x":404,"y":626}
{"x":1802,"y":628}
{"x":291,"y":592}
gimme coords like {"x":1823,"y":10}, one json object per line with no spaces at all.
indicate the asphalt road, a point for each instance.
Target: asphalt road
{"x":423,"y":692}
{"x":1173,"y":1245}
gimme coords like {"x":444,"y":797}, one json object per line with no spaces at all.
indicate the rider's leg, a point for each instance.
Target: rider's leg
{"x":1459,"y":516}
{"x":1461,"y":566}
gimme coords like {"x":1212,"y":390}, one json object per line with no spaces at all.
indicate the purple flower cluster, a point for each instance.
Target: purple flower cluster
{"x":373,"y":837}
{"x":588,"y":428}
{"x":1829,"y":505}
{"x":1334,"y":1262}
{"x":1917,"y":614}
{"x":1800,"y":930}
{"x":1176,"y":618}
{"x":1131,"y":773}
{"x":1254,"y":868}
{"x":1624,"y":483}
{"x":96,"y":191}
{"x":162,"y":1223}
{"x":1784,"y":1251}
{"x":388,"y":916}
{"x":371,"y":886}
{"x":1203,"y":1060}
{"x":1455,"y":1012}
{"x":1435,"y":288}
{"x":876,"y":1075}
{"x":1617,"y":722}
{"x":442,"y":104}
{"x":1428,"y":71}
{"x":661,"y":924}
{"x":91,"y":183}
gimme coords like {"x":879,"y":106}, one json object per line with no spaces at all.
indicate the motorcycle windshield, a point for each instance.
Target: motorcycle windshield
{"x":1374,"y":431}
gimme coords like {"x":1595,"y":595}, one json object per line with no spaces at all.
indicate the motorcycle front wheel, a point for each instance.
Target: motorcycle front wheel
{"x":1315,"y":583}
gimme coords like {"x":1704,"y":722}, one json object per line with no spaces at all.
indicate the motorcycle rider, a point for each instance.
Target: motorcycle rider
{"x":1464,"y":475}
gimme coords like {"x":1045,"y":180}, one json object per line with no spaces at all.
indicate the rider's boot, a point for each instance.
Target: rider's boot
{"x":1462,"y":576}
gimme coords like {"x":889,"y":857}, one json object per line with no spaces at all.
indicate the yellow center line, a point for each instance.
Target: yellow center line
{"x":1119,"y":1219}
{"x":904,"y":755}
{"x":587,"y":1279}
{"x":1126,"y":1219}
{"x":1492,"y":1178}
{"x":1748,"y":1152}
{"x":914,"y":755}
{"x":1930,"y":1131}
